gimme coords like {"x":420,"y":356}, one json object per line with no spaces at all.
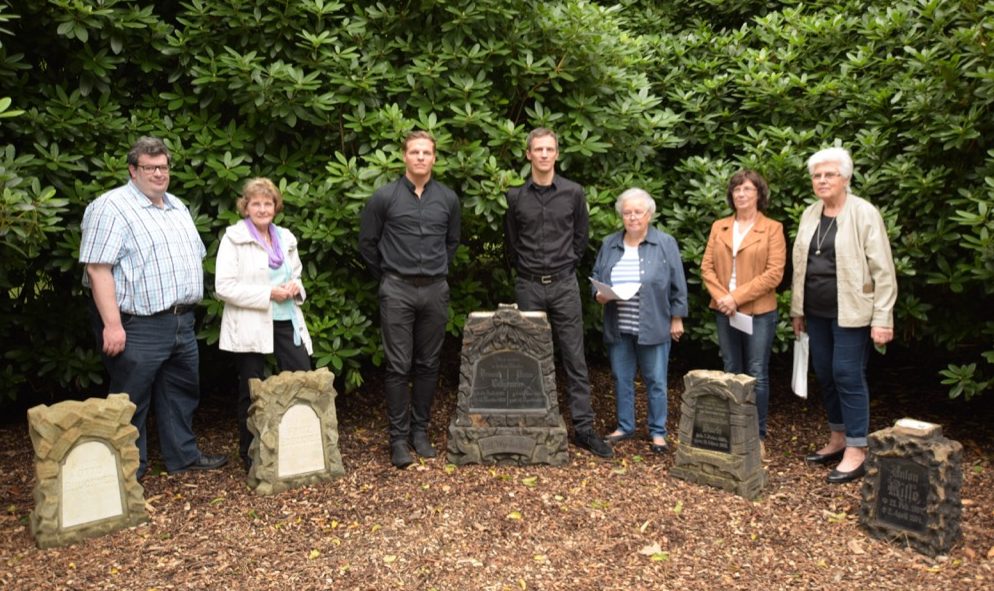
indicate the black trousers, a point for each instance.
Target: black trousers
{"x":289,"y":357}
{"x":412,"y":322}
{"x":560,"y":300}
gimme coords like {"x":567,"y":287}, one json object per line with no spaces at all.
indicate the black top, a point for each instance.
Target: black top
{"x":821,"y":290}
{"x":399,"y":233}
{"x":547,"y":226}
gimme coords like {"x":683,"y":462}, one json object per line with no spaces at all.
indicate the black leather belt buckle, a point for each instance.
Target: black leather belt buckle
{"x":546,"y":279}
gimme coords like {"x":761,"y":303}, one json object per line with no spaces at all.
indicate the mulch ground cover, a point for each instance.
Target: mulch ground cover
{"x":593,"y":524}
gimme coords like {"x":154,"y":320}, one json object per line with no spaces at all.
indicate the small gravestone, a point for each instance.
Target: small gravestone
{"x":911,"y":491}
{"x":719,"y":433}
{"x":295,"y":431}
{"x":86,"y":462}
{"x":507,"y":412}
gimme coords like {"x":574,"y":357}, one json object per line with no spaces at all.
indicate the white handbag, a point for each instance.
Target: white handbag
{"x":799,"y":381}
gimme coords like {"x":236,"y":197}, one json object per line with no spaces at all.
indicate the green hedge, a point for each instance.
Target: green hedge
{"x":317,"y":93}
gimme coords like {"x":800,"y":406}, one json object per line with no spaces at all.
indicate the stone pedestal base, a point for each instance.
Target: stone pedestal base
{"x":508,"y":445}
{"x":719,"y":434}
{"x":86,"y":462}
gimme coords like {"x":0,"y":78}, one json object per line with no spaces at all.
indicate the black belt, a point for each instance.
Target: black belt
{"x":546,"y":279}
{"x":177,"y":310}
{"x":418,"y":280}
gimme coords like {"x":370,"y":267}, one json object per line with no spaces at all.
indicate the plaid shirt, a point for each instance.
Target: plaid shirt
{"x":156,"y":253}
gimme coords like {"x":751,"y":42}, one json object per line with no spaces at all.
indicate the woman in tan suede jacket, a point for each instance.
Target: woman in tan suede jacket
{"x":742,"y":266}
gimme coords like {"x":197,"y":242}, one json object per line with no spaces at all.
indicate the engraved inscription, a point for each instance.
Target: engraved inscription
{"x":507,"y":444}
{"x":507,"y":381}
{"x":91,"y":489}
{"x":301,"y":447}
{"x":903,"y":497}
{"x":712,"y":429}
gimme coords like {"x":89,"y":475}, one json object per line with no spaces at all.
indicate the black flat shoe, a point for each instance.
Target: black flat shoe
{"x":659,"y":449}
{"x":817,"y":458}
{"x":612,"y":439}
{"x":837,"y":477}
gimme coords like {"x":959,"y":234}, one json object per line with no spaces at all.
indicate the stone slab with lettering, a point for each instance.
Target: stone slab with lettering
{"x":911,"y":491}
{"x":719,"y":433}
{"x":86,"y":463}
{"x":295,"y":431}
{"x":507,"y":412}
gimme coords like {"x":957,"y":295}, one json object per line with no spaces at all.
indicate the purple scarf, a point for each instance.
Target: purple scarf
{"x":275,"y":251}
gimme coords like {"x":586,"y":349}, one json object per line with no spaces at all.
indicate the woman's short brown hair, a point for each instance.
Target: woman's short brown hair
{"x":259,"y":186}
{"x":762,"y":189}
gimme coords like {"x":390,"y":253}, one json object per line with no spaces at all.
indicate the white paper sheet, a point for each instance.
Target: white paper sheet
{"x":742,"y":322}
{"x":621,"y":291}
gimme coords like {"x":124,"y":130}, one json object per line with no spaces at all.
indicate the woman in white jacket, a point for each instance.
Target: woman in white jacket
{"x":257,"y":277}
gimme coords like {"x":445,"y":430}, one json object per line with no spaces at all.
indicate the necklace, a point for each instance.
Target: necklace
{"x":820,"y":240}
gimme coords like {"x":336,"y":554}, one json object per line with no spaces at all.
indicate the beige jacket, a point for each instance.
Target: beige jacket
{"x":242,"y":282}
{"x":865,"y":275}
{"x":758,"y":265}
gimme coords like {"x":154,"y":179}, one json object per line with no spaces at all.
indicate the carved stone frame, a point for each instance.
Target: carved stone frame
{"x":57,"y":430}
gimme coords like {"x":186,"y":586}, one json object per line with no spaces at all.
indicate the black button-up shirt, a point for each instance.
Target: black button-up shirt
{"x":400,"y":233}
{"x":547,"y":227}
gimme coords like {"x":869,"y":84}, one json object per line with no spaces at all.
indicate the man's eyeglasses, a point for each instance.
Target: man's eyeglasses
{"x":149,"y":169}
{"x":828,"y":176}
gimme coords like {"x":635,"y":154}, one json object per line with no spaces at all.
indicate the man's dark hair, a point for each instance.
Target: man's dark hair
{"x":148,"y":146}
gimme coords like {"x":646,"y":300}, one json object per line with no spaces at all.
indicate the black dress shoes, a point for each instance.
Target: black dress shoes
{"x":589,"y":441}
{"x":817,"y":458}
{"x":659,"y":449}
{"x":205,"y":462}
{"x":419,"y":439}
{"x":400,"y":454}
{"x":838,"y":477}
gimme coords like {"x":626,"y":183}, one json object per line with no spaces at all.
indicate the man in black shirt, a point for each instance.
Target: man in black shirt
{"x":408,"y":235}
{"x":547,"y":228}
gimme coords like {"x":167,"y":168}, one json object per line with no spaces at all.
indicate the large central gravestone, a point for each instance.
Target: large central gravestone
{"x":507,"y":411}
{"x":719,"y":433}
{"x":295,"y":429}
{"x":86,"y":462}
{"x":911,"y":492}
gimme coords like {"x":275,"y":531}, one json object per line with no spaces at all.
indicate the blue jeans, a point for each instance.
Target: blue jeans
{"x":750,"y":354}
{"x":839,"y":356}
{"x":161,"y":364}
{"x":627,"y":356}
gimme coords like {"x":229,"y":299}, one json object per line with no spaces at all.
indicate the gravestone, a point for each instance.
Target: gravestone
{"x":86,"y":463}
{"x":911,"y":491}
{"x":507,"y":412}
{"x":295,"y":431}
{"x":719,"y":433}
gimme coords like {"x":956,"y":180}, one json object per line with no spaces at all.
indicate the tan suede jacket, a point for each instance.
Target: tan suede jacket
{"x":759,"y":264}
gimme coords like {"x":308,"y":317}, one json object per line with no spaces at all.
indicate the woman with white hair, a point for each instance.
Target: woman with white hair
{"x":844,"y":289}
{"x":638,"y":330}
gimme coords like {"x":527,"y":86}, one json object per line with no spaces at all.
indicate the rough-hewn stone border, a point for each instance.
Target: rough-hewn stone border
{"x":942,"y":458}
{"x":516,"y":438}
{"x":55,"y":431}
{"x":270,"y":401}
{"x":741,"y":470}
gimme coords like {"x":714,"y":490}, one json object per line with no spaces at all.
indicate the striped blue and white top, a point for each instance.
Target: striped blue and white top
{"x":627,"y":271}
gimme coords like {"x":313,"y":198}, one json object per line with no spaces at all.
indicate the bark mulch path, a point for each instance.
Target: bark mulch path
{"x":593,"y":524}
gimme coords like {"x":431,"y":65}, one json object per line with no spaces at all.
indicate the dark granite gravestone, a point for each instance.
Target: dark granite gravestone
{"x":507,"y":411}
{"x":911,"y":491}
{"x":86,"y":462}
{"x":719,"y":433}
{"x":295,"y":429}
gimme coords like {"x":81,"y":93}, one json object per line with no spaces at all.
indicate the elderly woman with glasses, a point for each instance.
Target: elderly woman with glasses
{"x":638,"y":329}
{"x":257,"y":277}
{"x":844,"y":291}
{"x":742,"y":266}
